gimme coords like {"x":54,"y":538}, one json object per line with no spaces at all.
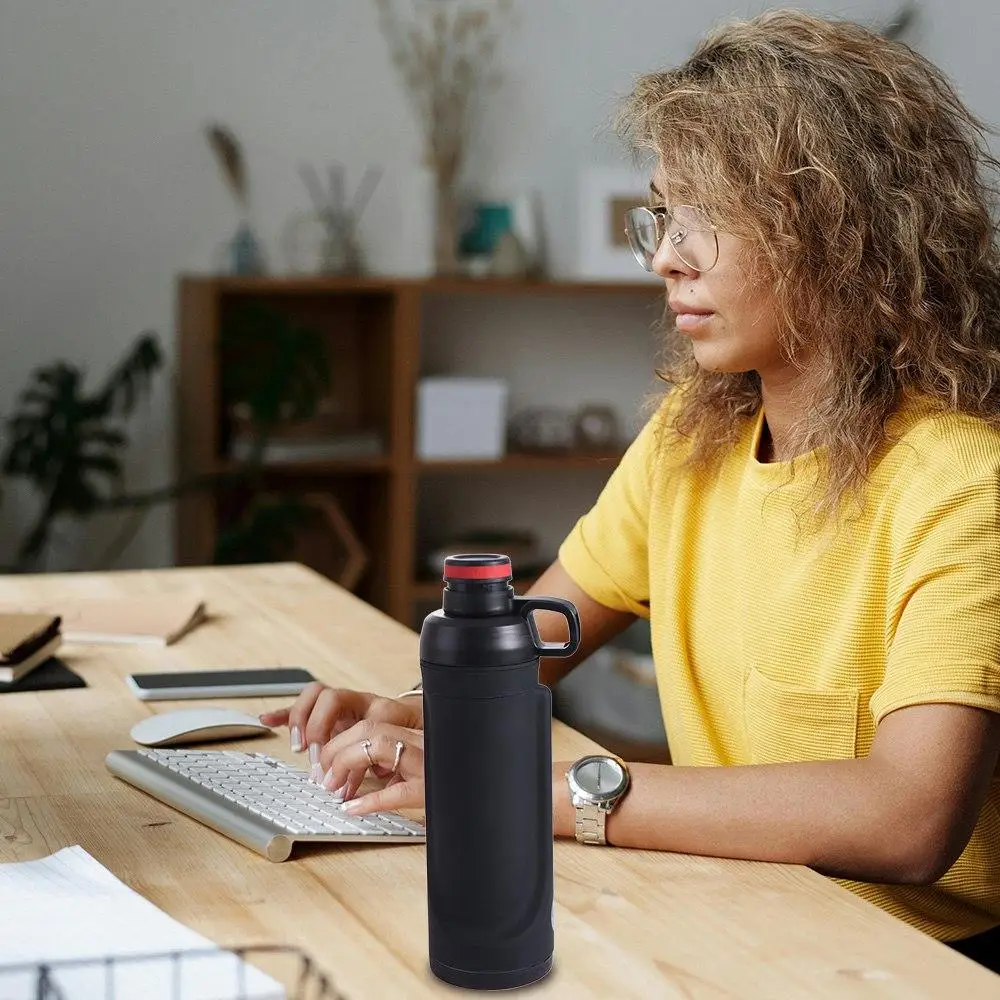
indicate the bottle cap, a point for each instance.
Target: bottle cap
{"x":481,"y":568}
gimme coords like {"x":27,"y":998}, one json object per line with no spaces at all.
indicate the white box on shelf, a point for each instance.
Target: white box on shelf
{"x":461,"y":418}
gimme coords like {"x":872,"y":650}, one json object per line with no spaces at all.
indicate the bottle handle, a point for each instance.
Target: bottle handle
{"x":526,"y":606}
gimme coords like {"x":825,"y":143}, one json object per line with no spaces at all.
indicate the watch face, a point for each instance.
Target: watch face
{"x":599,"y":777}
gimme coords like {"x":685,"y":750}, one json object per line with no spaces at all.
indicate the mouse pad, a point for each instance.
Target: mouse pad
{"x":47,"y":676}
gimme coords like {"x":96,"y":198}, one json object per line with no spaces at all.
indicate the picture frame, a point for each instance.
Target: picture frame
{"x":604,"y":195}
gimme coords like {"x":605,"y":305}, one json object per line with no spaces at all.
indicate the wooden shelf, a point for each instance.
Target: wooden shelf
{"x":373,"y":327}
{"x":512,"y":462}
{"x":320,"y":466}
{"x":299,"y":285}
{"x":522,"y":462}
{"x":387,"y":285}
{"x":554,"y":288}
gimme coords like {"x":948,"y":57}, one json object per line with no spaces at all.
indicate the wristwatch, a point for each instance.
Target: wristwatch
{"x":596,"y":785}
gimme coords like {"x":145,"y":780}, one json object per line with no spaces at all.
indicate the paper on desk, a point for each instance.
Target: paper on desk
{"x":69,"y":906}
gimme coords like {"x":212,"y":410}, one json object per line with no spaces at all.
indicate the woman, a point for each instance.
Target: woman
{"x":810,"y":519}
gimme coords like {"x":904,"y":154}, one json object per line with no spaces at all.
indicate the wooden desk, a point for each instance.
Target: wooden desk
{"x":629,"y":924}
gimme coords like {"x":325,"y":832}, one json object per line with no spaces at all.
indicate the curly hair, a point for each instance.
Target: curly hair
{"x":863,"y":187}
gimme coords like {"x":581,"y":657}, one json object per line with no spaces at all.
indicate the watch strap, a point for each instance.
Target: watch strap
{"x":590,"y":823}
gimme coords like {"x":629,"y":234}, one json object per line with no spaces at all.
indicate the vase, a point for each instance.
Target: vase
{"x":509,"y":259}
{"x":245,"y":254}
{"x":490,"y":221}
{"x":302,"y":241}
{"x":445,"y":227}
{"x":340,"y":252}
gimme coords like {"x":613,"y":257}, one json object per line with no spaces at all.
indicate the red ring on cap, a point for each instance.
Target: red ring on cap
{"x":499,"y":571}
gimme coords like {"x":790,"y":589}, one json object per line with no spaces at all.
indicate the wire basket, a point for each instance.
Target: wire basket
{"x":259,"y":972}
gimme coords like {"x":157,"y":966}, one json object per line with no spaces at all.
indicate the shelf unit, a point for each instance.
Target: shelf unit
{"x":522,"y":462}
{"x":373,"y":327}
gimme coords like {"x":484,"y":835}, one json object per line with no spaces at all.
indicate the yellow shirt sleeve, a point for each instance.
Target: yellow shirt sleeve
{"x":606,"y":553}
{"x":943,"y":611}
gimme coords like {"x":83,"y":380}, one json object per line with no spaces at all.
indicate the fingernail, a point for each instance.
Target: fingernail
{"x":328,"y":779}
{"x":316,"y":776}
{"x":352,"y":807}
{"x":340,"y":792}
{"x":295,"y":739}
{"x":314,"y":749}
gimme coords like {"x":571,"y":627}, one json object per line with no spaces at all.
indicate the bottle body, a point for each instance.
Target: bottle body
{"x":488,"y":777}
{"x":488,"y":765}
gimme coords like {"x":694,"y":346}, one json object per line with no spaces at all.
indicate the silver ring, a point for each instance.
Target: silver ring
{"x":366,"y":745}
{"x":399,"y":753}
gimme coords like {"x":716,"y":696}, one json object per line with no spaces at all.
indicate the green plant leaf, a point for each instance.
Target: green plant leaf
{"x":68,"y":445}
{"x":274,"y":366}
{"x":132,"y":377}
{"x":107,"y":435}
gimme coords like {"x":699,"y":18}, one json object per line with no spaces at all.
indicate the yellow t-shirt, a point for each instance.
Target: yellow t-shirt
{"x":772,"y":646}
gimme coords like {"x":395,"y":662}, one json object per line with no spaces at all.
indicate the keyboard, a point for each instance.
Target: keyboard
{"x":257,"y":800}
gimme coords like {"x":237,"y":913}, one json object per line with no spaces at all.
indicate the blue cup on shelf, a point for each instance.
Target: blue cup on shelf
{"x":491,"y":220}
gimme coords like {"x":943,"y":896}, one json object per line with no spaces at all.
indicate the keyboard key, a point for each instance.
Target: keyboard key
{"x":408,"y":825}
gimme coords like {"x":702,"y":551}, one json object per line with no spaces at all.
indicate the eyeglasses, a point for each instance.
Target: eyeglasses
{"x":692,"y":235}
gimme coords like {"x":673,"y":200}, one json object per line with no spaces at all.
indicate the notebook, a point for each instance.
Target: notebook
{"x":68,"y":906}
{"x":159,"y":620}
{"x":26,"y":640}
{"x":52,"y":675}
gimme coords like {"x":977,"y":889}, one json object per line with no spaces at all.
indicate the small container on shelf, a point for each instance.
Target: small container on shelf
{"x":461,"y":418}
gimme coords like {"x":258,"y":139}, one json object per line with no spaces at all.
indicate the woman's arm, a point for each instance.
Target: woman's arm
{"x":598,"y":624}
{"x":901,"y":815}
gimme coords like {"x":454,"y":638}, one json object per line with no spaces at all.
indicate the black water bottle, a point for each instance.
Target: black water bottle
{"x":488,"y":771}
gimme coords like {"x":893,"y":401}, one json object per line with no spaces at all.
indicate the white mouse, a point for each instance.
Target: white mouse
{"x":196,"y":725}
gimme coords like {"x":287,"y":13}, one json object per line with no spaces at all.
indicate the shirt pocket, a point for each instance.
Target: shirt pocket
{"x":786,"y":724}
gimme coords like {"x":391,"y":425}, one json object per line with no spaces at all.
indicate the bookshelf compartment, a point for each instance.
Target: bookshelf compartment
{"x":353,"y":332}
{"x":334,"y":527}
{"x":380,"y":335}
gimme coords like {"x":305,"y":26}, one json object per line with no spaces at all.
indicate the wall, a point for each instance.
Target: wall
{"x":108,"y":190}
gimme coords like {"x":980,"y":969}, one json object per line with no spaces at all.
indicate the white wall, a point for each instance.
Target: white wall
{"x":108,"y":190}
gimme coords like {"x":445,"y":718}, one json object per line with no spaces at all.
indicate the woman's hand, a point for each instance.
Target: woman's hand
{"x":398,"y":756}
{"x":322,"y":712}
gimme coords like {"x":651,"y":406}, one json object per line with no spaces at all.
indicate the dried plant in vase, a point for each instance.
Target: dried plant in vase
{"x":444,"y":51}
{"x":245,"y":253}
{"x":341,"y":252}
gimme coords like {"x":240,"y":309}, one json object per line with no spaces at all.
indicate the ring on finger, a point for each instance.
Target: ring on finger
{"x":366,"y":745}
{"x":399,"y":753}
